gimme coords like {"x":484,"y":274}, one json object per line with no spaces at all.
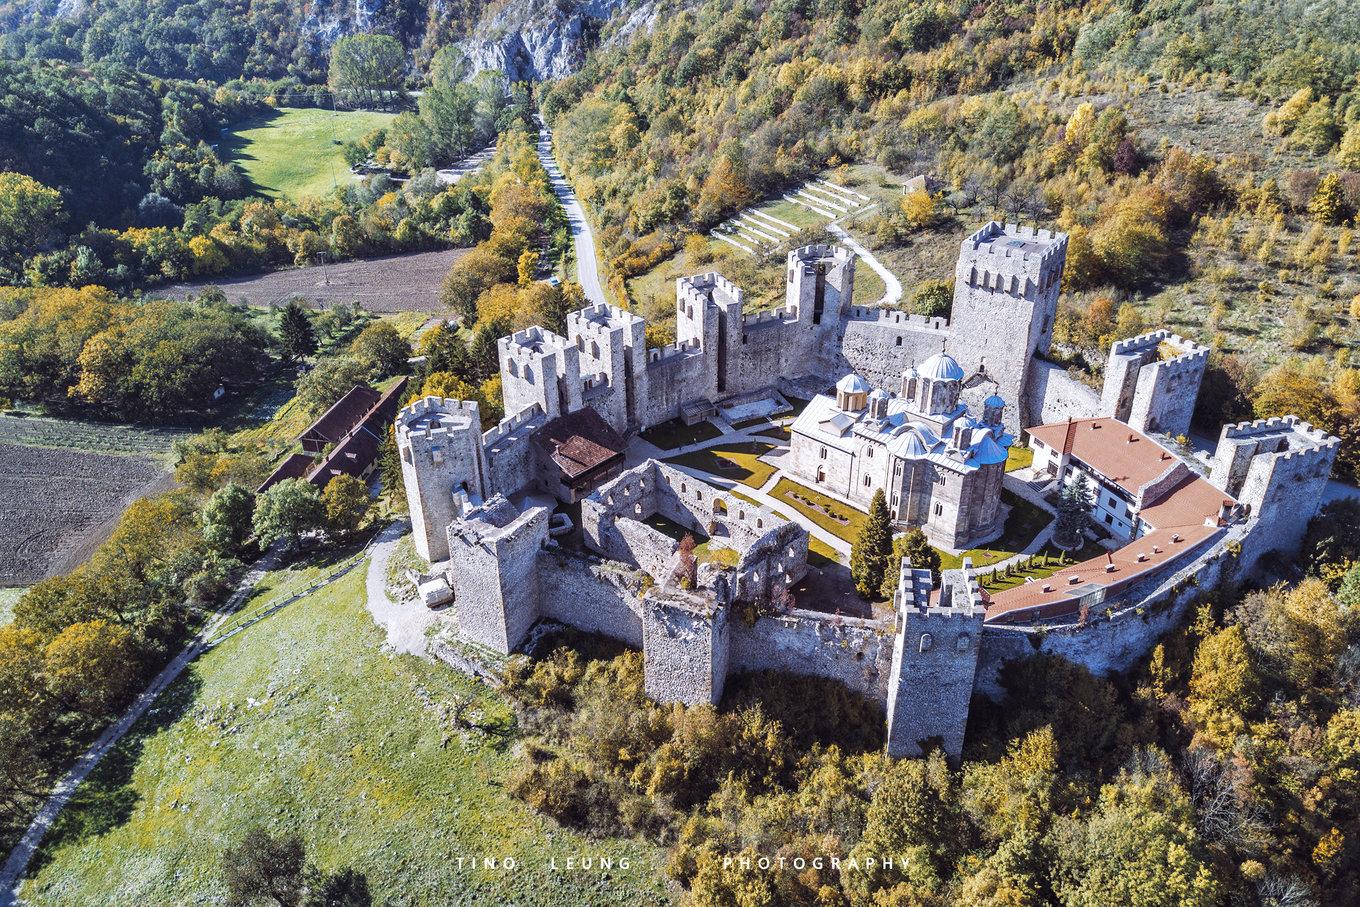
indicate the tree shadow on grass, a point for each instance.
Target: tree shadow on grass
{"x":107,"y":798}
{"x":232,"y":146}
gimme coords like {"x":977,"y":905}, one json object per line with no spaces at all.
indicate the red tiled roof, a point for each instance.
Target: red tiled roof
{"x":579,"y":442}
{"x":1182,"y":518}
{"x":1125,"y":456}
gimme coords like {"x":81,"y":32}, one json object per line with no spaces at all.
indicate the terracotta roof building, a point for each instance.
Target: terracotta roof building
{"x":1142,"y":492}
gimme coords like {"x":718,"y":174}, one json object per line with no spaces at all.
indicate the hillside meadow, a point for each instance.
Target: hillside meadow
{"x":297,"y":152}
{"x":302,"y":724}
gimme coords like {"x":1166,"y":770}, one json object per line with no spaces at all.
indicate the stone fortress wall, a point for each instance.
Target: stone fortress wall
{"x":924,"y":663}
{"x":1278,"y":470}
{"x":1152,"y":382}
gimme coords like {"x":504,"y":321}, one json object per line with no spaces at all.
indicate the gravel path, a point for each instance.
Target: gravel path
{"x":405,"y":624}
{"x":893,"y":293}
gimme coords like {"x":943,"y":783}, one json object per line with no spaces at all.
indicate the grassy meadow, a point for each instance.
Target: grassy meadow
{"x":296,"y":151}
{"x":303,"y":724}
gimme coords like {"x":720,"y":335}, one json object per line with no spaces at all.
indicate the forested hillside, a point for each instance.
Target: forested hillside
{"x":1204,"y":157}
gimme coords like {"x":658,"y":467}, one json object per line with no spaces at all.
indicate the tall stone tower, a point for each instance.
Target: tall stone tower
{"x":538,"y":366}
{"x":443,"y":468}
{"x":495,"y":550}
{"x":1278,"y":470}
{"x":820,"y":287}
{"x":612,"y":347}
{"x":708,"y":309}
{"x":1005,"y":301}
{"x":934,"y":660}
{"x":1152,"y":382}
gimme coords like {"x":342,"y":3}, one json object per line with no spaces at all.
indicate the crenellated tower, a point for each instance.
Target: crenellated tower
{"x":443,"y":468}
{"x":934,"y":660}
{"x":1278,"y":470}
{"x":612,"y":348}
{"x":1006,"y":300}
{"x":539,"y":367}
{"x":1152,"y":382}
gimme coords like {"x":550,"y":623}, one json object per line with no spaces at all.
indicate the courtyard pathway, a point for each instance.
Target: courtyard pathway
{"x":587,"y":269}
{"x":640,"y":450}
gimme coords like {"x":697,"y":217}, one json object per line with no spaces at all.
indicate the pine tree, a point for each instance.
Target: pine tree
{"x":873,"y":549}
{"x":1073,"y":507}
{"x":296,"y":333}
{"x":913,"y":545}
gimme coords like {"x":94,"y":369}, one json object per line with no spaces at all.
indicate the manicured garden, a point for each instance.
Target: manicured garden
{"x":739,"y":462}
{"x":385,"y":763}
{"x":1023,"y":523}
{"x":841,"y":520}
{"x":675,"y":434}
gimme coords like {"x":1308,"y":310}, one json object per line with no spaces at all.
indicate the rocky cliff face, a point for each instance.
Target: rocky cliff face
{"x":537,"y":39}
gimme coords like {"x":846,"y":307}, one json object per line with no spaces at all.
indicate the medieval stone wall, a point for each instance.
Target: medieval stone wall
{"x":685,"y":643}
{"x":591,"y":595}
{"x":1054,"y":395}
{"x":1109,"y":643}
{"x":855,"y":652}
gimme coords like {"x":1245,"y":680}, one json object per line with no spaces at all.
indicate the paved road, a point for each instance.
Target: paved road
{"x":17,"y":864}
{"x":587,"y":270}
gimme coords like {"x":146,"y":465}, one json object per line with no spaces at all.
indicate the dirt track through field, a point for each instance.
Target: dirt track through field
{"x":397,"y":283}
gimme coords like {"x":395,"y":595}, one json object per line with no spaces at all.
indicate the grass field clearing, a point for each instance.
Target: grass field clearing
{"x":295,"y":151}
{"x":303,"y":723}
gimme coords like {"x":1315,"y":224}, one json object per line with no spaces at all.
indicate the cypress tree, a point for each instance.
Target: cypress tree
{"x":873,"y":549}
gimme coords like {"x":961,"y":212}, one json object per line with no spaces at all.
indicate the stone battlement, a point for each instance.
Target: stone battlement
{"x":1043,"y":246}
{"x":781,"y":314}
{"x":432,"y":418}
{"x":599,"y":320}
{"x":708,"y":287}
{"x":683,"y":347}
{"x":509,"y":424}
{"x":1189,"y":350}
{"x":893,"y":317}
{"x":531,"y":343}
{"x":1311,"y":439}
{"x":820,"y":252}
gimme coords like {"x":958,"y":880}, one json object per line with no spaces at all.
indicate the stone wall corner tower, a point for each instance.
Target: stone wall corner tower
{"x":1006,"y":299}
{"x":935,"y":658}
{"x":443,"y":468}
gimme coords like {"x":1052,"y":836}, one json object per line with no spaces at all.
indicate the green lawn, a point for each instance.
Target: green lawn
{"x":676,"y":434}
{"x":841,"y":520}
{"x":1018,"y":457}
{"x":303,"y":723}
{"x":8,"y":599}
{"x":296,"y":151}
{"x":1024,"y":522}
{"x":739,"y":462}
